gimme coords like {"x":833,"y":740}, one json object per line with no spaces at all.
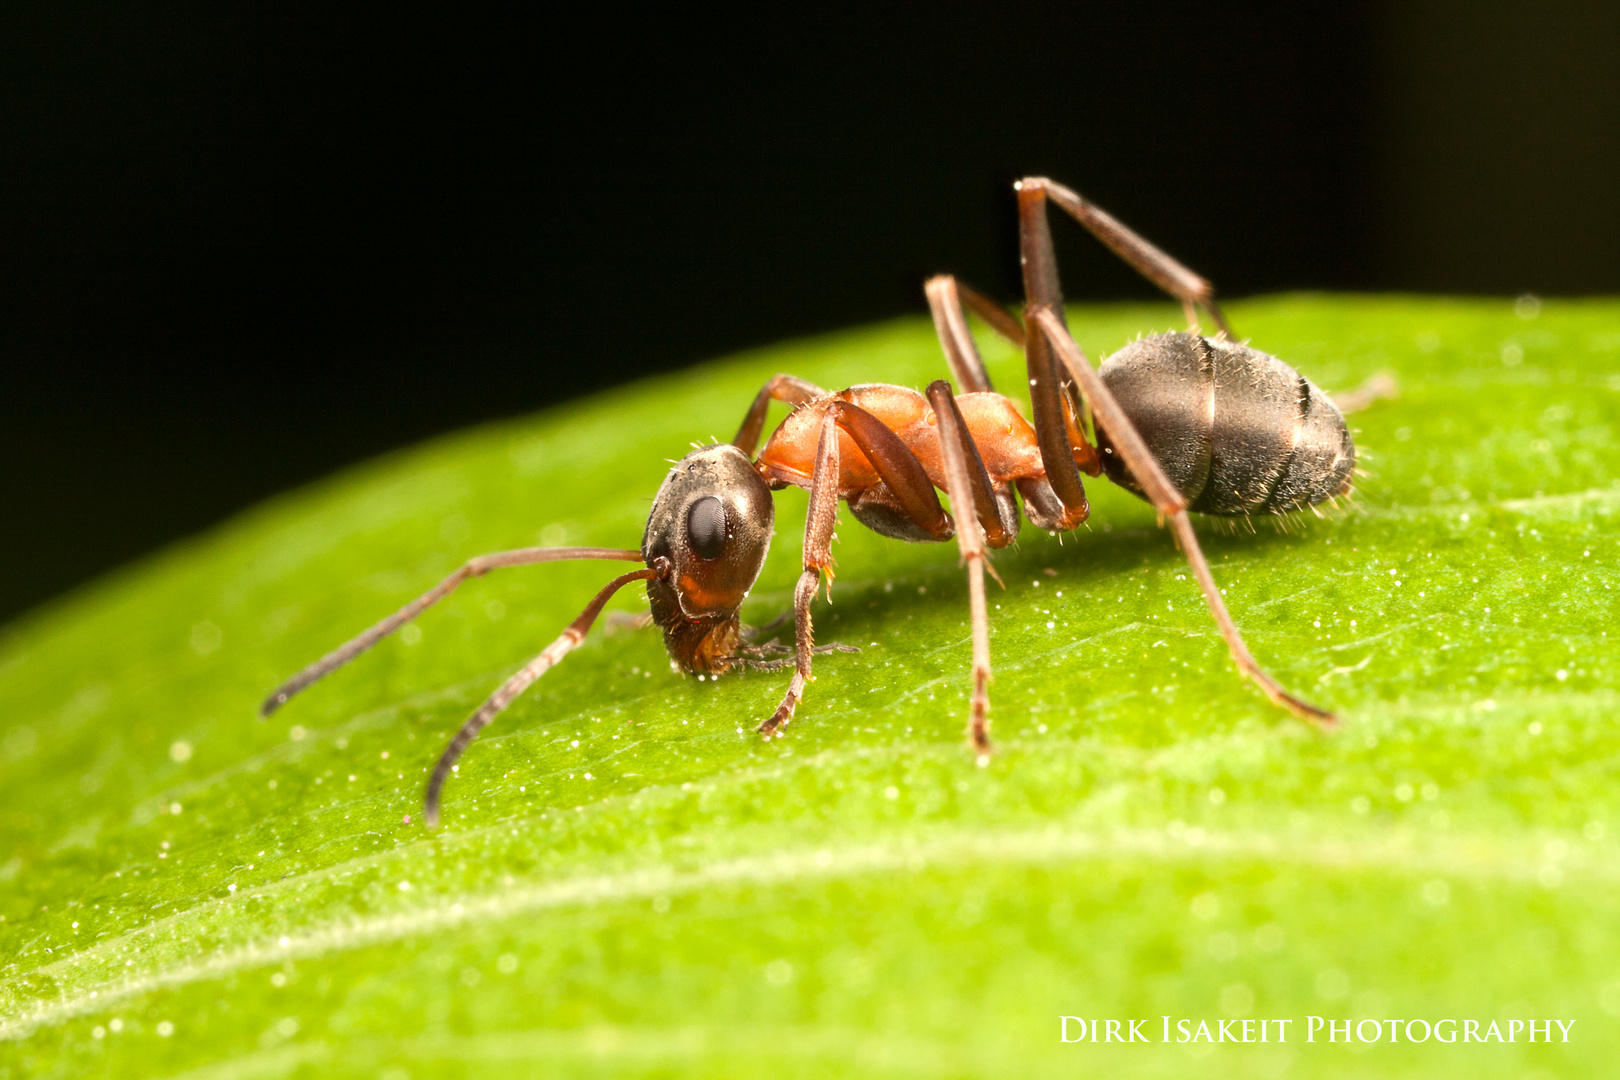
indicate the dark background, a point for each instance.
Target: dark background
{"x":242,"y":245}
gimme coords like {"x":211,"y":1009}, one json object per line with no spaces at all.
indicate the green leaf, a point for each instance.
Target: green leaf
{"x":630,"y":883}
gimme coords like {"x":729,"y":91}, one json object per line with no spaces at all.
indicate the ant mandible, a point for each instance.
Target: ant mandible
{"x":1185,"y":421}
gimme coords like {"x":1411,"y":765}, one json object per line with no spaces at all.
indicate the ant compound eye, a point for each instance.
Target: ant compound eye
{"x":706,"y":528}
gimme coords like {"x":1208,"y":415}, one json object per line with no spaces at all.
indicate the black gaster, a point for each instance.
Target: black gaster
{"x":1324,"y":457}
{"x":1257,"y":418}
{"x":1237,"y":431}
{"x":1166,"y":385}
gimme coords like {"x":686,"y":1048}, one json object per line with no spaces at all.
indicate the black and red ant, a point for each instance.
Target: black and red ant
{"x":1185,"y":421}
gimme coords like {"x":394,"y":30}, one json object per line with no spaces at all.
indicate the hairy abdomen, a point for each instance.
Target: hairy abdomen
{"x":1237,"y":431}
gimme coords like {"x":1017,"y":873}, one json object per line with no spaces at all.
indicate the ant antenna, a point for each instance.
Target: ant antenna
{"x":511,"y":688}
{"x":478,"y":567}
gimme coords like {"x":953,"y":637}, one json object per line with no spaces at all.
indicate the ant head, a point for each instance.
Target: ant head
{"x":712,"y":520}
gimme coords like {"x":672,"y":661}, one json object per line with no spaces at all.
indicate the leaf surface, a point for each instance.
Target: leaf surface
{"x":630,"y":883}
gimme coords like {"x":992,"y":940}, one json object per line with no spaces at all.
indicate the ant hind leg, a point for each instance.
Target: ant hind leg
{"x":1144,"y":257}
{"x":1168,"y":501}
{"x":1050,"y":343}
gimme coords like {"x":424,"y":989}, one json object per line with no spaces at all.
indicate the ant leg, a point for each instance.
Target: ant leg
{"x":964,"y":464}
{"x":906,"y":501}
{"x":946,"y":297}
{"x":1054,"y":427}
{"x":754,"y":663}
{"x":1167,"y":501}
{"x":954,"y":336}
{"x":511,"y":688}
{"x":776,"y":648}
{"x":1379,"y":387}
{"x":969,"y":485}
{"x":788,"y":388}
{"x":1045,"y":309}
{"x":995,"y":316}
{"x":478,"y":567}
{"x":753,"y":633}
{"x":818,"y":531}
{"x":910,"y":498}
{"x":1146,"y":259}
{"x":751,"y":636}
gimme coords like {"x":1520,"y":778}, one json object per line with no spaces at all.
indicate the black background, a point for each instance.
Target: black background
{"x":241,"y":245}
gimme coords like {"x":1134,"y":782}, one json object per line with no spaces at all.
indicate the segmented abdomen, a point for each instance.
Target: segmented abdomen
{"x":1237,"y":431}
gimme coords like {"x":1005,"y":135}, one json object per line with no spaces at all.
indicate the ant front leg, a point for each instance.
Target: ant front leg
{"x":818,"y":533}
{"x":905,"y":498}
{"x":789,"y":388}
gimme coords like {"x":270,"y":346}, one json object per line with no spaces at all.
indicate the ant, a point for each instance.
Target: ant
{"x":1185,"y":421}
